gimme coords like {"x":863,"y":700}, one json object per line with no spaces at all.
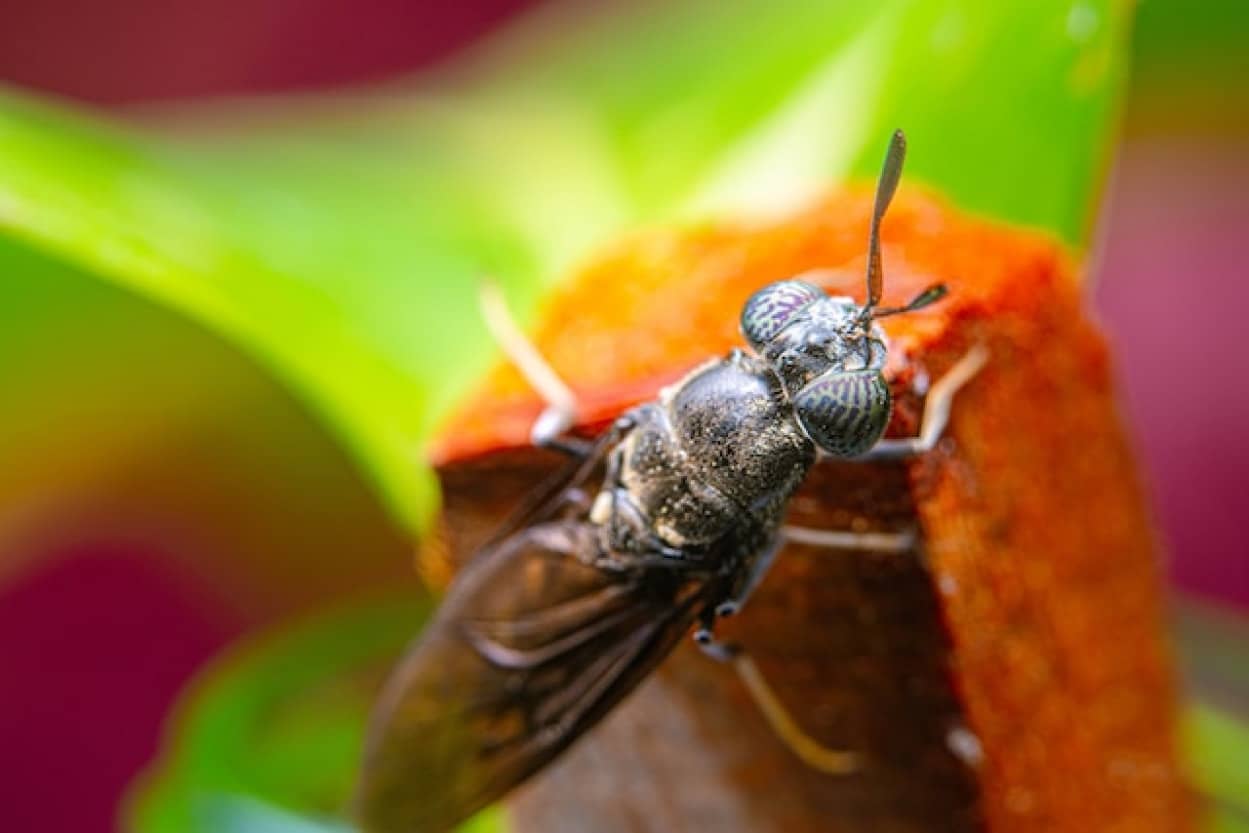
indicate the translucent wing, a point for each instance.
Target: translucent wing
{"x":548,"y":500}
{"x":532,"y":646}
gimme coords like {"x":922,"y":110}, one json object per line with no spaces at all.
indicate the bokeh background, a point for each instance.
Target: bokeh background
{"x":106,"y":609}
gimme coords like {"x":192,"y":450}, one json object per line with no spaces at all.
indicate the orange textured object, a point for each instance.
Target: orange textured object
{"x":1012,"y":676}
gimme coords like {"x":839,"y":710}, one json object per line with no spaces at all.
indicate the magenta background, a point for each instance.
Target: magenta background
{"x":95,"y":644}
{"x":1173,"y":296}
{"x":93,"y":649}
{"x":139,"y":50}
{"x":98,"y":641}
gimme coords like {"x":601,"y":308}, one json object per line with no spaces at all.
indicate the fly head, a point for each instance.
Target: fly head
{"x":828,"y":351}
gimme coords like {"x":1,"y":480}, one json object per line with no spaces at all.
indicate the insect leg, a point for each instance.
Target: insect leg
{"x":809,"y":750}
{"x":936,"y":411}
{"x":550,"y":429}
{"x":895,"y":542}
{"x":758,"y":569}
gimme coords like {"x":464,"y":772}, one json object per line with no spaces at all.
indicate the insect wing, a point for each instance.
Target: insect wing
{"x":532,"y":646}
{"x":550,"y":499}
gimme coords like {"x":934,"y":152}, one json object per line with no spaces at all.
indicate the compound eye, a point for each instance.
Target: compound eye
{"x":845,"y":413}
{"x":770,"y":309}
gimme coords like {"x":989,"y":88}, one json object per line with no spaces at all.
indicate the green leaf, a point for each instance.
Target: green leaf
{"x":1214,"y":651}
{"x":279,"y":716}
{"x":269,"y":736}
{"x":235,"y":814}
{"x":146,"y":424}
{"x":221,"y":813}
{"x":1218,"y":753}
{"x":339,"y":243}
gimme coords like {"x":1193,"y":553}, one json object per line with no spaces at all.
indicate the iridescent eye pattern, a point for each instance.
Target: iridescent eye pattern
{"x":845,"y":413}
{"x":772,"y":308}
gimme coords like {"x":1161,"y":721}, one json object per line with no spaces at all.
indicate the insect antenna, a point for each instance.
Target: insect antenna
{"x":929,"y":296}
{"x":890,"y":175}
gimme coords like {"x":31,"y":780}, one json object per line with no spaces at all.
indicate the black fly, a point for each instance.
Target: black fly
{"x":667,"y":521}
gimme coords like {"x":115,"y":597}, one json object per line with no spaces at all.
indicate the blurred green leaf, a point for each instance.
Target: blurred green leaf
{"x":233,"y":814}
{"x":338,"y":242}
{"x":279,"y":717}
{"x":1214,"y":651}
{"x":1218,"y":755}
{"x":1201,"y":46}
{"x":221,"y":813}
{"x":268,"y":738}
{"x":120,"y":413}
{"x":1226,"y":821}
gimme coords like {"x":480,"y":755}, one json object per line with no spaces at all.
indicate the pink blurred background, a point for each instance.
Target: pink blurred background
{"x":1172,"y":294}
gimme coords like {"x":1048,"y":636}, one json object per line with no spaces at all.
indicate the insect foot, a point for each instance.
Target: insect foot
{"x":810,"y":751}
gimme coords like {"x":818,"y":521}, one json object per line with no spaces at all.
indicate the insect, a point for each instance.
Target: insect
{"x":666,"y":522}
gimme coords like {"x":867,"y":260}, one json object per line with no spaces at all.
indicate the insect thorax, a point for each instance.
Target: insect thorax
{"x":718,"y":454}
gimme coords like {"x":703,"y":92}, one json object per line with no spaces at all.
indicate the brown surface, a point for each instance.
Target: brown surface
{"x":1031,"y":620}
